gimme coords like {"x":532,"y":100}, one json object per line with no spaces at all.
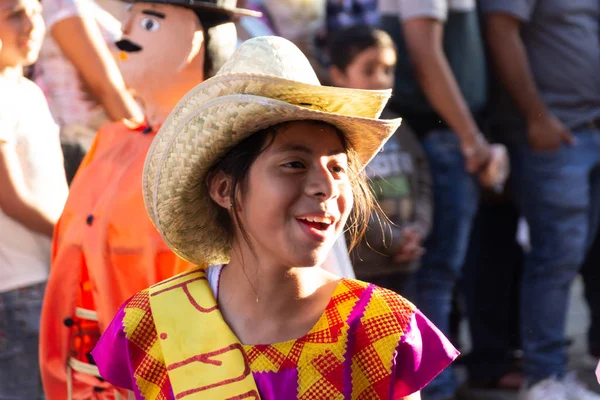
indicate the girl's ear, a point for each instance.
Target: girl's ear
{"x":220,"y":189}
{"x":337,"y":76}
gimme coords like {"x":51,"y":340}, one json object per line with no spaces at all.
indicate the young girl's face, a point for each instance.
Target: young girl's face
{"x":298,"y":195}
{"x":21,"y":32}
{"x":371,"y":69}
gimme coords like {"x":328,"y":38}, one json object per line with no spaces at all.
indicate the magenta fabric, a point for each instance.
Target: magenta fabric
{"x":271,"y":385}
{"x":423,"y":352}
{"x":111,"y":355}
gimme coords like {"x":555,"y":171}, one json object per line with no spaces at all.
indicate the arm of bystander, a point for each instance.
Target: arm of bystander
{"x":81,"y":41}
{"x":423,"y":35}
{"x":15,"y":199}
{"x":503,"y":31}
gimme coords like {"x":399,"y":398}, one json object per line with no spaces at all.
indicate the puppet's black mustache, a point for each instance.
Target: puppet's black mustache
{"x":128,"y":46}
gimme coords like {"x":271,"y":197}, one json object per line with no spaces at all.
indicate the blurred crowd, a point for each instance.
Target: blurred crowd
{"x":465,"y":75}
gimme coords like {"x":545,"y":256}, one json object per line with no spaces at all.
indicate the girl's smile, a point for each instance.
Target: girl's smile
{"x":317,"y":225}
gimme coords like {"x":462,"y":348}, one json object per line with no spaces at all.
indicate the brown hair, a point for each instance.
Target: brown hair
{"x":237,"y":162}
{"x":344,"y":45}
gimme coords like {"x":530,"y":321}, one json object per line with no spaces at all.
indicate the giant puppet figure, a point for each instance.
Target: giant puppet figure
{"x":105,"y":247}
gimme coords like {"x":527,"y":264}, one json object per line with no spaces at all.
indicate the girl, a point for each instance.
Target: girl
{"x":257,"y":171}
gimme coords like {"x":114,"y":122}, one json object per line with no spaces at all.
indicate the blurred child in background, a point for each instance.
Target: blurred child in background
{"x":363,"y":57}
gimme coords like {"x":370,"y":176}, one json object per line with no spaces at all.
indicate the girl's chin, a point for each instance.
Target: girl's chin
{"x":315,"y":258}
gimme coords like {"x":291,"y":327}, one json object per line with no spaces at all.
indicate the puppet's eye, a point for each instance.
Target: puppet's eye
{"x":150,"y":24}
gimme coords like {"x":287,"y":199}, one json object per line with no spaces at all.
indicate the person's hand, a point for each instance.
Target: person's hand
{"x":476,"y":151}
{"x":495,"y":173}
{"x":411,"y":248}
{"x":546,"y":133}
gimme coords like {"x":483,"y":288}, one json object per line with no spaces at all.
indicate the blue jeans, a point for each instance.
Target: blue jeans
{"x":492,"y":279}
{"x":456,"y":196}
{"x":558,"y":194}
{"x":20,"y":312}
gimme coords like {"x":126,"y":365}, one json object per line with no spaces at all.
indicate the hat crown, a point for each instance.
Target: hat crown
{"x":273,"y":56}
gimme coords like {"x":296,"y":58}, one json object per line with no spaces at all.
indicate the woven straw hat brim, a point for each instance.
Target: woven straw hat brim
{"x":342,"y":101}
{"x":174,"y":186}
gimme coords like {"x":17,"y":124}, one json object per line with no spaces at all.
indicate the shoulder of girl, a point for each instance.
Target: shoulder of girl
{"x":140,"y":298}
{"x":392,"y":303}
{"x":137,"y":319}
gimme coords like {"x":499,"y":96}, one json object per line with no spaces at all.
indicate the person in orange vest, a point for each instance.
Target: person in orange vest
{"x":105,"y":248}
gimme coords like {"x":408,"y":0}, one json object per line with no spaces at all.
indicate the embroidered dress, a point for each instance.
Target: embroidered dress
{"x":369,"y":343}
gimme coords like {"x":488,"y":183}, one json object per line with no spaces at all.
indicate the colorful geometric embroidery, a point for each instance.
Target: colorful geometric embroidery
{"x":381,"y":327}
{"x":144,"y":349}
{"x":349,"y":353}
{"x":321,"y":357}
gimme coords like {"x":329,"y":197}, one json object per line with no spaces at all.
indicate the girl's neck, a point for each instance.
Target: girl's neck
{"x":269,"y":303}
{"x":270,"y":287}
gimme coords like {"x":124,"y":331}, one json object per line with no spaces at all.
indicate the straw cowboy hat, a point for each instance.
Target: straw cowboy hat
{"x":267,"y":81}
{"x":227,"y":7}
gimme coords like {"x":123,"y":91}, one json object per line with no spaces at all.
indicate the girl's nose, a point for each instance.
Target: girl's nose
{"x":322,"y":184}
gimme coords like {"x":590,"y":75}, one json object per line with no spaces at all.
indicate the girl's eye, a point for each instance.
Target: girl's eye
{"x":294,"y":164}
{"x":338,"y":169}
{"x":150,"y":24}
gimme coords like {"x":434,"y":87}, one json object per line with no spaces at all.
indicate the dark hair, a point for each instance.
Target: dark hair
{"x":237,"y":162}
{"x":345,"y":44}
{"x":220,"y":40}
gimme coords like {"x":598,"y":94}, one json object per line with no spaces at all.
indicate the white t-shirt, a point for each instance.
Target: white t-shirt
{"x":74,"y":108}
{"x":27,"y":125}
{"x":438,"y":9}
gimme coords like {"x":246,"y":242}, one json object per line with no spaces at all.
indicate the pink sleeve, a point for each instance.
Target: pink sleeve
{"x":422,"y":354}
{"x":111,"y":355}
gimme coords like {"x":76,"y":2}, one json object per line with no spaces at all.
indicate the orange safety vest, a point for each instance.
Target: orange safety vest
{"x":105,"y":250}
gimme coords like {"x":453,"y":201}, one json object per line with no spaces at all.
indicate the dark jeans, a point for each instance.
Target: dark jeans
{"x":559,"y":194}
{"x":20,"y":311}
{"x":456,"y":196}
{"x":492,"y":278}
{"x":591,"y":280}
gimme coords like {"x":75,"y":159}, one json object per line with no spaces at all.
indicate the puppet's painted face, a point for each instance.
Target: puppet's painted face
{"x":159,"y":41}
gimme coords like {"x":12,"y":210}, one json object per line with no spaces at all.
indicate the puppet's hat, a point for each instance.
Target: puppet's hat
{"x":267,"y":81}
{"x":228,"y":7}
